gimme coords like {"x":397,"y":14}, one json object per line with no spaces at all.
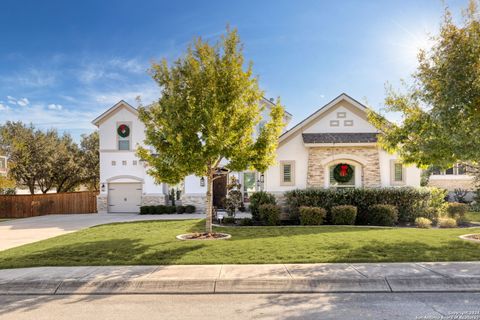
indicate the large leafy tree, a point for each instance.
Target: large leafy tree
{"x":49,"y":161}
{"x":207,"y":113}
{"x":441,"y":109}
{"x":90,"y":155}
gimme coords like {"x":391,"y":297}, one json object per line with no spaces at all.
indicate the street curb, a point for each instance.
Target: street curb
{"x":225,"y":286}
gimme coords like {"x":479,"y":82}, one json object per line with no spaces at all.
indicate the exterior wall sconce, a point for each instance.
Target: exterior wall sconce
{"x":103,"y":187}
{"x":262,"y":178}
{"x":260,"y":181}
{"x":202,"y":182}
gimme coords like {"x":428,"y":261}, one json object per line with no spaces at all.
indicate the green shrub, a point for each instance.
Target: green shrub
{"x":160,"y":209}
{"x":312,"y":215}
{"x":246,"y":222}
{"x":190,"y":208}
{"x":447,"y":223}
{"x":269,"y":214}
{"x":456,"y":209}
{"x":257,"y":199}
{"x":345,"y":214}
{"x":228,"y":220}
{"x":144,"y":210}
{"x":170,"y":209}
{"x":431,"y":214}
{"x":408,"y":201}
{"x":180,"y":209}
{"x":423,"y":223}
{"x":383,"y":215}
{"x":462,"y":221}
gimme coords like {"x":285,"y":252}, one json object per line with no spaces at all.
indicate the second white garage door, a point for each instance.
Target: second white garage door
{"x":124,"y":197}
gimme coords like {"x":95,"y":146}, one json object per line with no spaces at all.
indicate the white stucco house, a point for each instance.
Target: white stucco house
{"x":334,"y":147}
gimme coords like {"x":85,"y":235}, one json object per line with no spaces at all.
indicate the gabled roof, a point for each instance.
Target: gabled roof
{"x":113,"y":109}
{"x":344,"y":137}
{"x":271,"y":103}
{"x":321,"y":111}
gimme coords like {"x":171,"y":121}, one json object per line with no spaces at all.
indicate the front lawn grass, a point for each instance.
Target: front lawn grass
{"x":153,"y":242}
{"x":473,"y":216}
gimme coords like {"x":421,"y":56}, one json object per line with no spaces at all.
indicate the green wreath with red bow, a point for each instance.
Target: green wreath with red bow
{"x":343,"y":172}
{"x":123,"y":130}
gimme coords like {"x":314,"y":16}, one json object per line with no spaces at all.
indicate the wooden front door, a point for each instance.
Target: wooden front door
{"x":219,"y":190}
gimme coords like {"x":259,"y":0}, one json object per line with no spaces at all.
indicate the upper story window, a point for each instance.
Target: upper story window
{"x":124,"y":135}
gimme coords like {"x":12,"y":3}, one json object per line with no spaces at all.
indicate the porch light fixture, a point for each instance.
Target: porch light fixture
{"x":103,"y":187}
{"x":202,"y":182}
{"x":262,"y":178}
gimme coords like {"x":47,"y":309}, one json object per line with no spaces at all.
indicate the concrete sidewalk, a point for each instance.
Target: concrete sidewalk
{"x":277,"y":278}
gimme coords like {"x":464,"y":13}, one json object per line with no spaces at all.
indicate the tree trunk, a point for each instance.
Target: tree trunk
{"x":209,"y":202}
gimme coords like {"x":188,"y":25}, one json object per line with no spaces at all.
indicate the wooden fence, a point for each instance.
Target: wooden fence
{"x":22,"y":206}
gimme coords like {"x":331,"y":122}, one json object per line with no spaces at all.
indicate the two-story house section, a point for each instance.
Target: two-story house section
{"x":124,"y":183}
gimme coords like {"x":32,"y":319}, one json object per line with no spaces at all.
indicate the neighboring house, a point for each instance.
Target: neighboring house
{"x":453,"y":178}
{"x":334,"y":147}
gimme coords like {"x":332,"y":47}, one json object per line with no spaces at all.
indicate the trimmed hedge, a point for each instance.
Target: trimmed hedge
{"x":159,"y":209}
{"x":312,"y":216}
{"x":269,"y":214}
{"x":383,"y":215}
{"x":180,"y":209}
{"x":190,"y":208}
{"x":409,"y":201}
{"x":345,"y":214}
{"x":257,"y":200}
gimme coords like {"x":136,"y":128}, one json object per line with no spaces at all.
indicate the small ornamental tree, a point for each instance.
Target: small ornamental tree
{"x":208,"y":112}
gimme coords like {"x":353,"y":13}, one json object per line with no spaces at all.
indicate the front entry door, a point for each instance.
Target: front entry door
{"x":219,"y":190}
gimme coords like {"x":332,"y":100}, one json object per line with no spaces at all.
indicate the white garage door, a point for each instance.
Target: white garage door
{"x":124,"y":197}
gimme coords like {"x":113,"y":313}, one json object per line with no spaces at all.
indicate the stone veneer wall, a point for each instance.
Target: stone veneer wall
{"x":198,"y":200}
{"x":370,"y":174}
{"x":154,"y":200}
{"x":102,"y":205}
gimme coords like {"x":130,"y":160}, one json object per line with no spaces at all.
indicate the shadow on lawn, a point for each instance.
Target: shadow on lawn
{"x":102,"y":252}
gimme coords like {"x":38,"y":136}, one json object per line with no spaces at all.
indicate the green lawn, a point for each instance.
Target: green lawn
{"x":153,"y":242}
{"x":473,"y":216}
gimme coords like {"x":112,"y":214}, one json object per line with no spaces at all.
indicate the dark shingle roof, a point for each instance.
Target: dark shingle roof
{"x":360,"y":137}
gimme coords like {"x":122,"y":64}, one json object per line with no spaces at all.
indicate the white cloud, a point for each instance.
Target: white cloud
{"x":3,"y":107}
{"x":34,"y":78}
{"x":54,"y":106}
{"x":129,"y":65}
{"x":23,"y":102}
{"x":11,"y":100}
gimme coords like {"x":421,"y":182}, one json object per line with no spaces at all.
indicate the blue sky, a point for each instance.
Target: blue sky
{"x":62,"y":63}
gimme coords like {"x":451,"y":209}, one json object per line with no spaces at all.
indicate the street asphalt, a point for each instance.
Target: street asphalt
{"x":345,"y":306}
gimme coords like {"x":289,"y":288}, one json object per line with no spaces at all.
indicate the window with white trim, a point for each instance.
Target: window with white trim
{"x":397,"y":173}
{"x":287,"y":173}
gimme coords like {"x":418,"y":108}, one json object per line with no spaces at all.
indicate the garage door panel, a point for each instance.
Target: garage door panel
{"x":124,"y":197}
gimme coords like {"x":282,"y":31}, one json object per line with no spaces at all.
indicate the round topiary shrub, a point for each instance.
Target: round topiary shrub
{"x":180,"y":209}
{"x":312,"y":216}
{"x":190,"y":208}
{"x":423,"y":223}
{"x":344,"y":214}
{"x":456,"y":209}
{"x":270,"y":214}
{"x":383,"y":215}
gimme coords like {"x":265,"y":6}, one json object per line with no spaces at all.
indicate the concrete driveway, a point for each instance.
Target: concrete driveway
{"x":17,"y":232}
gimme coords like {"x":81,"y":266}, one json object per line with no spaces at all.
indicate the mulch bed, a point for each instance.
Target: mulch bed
{"x":204,"y":236}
